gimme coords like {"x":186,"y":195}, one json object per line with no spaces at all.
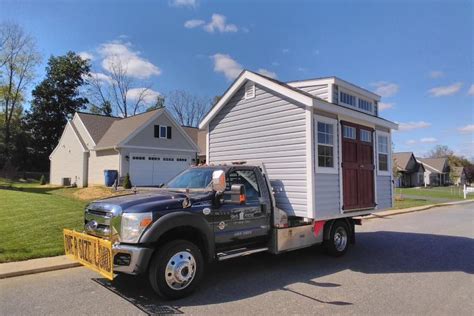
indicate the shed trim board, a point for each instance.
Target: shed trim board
{"x":315,"y":109}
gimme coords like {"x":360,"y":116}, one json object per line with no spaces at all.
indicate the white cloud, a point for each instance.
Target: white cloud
{"x":101,"y":77}
{"x":408,"y":126}
{"x":471,"y":90}
{"x":267,"y":73}
{"x":86,"y":55}
{"x":193,"y":23}
{"x":428,"y":140}
{"x":385,"y":106}
{"x":445,"y":90}
{"x":148,"y":96}
{"x":275,"y":63}
{"x":225,"y":64}
{"x":385,"y":89}
{"x":411,"y":142}
{"x":119,"y":52}
{"x":467,"y":129}
{"x":435,"y":74}
{"x":218,"y":22}
{"x":183,"y":3}
{"x":285,"y":50}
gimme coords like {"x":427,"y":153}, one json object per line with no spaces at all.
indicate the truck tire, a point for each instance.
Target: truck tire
{"x":176,"y":269}
{"x":338,"y":241}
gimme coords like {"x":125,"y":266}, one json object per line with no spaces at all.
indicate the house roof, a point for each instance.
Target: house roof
{"x":434,"y":164}
{"x":121,"y":129}
{"x":199,"y":137}
{"x":96,"y":124}
{"x":294,"y":93}
{"x":402,"y":159}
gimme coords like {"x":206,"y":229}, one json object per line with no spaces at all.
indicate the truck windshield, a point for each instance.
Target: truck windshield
{"x":194,"y":178}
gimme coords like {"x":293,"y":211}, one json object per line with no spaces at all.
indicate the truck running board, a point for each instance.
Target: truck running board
{"x":239,"y":253}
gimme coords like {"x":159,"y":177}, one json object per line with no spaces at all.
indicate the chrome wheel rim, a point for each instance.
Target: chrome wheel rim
{"x":340,"y":239}
{"x":180,"y":270}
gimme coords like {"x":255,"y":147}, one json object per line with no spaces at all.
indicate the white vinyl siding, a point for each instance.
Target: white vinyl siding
{"x":270,"y":129}
{"x":320,"y":91}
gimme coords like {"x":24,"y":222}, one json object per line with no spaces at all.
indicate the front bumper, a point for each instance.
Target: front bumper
{"x":131,"y":259}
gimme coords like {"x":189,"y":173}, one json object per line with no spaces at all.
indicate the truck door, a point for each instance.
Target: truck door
{"x":247,"y":223}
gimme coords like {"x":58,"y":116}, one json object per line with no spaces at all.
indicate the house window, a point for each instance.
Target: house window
{"x":365,"y":105}
{"x":383,"y":153}
{"x":347,"y":98}
{"x":249,"y":90}
{"x":326,"y":129}
{"x":162,"y":131}
{"x":349,"y":132}
{"x":365,"y":136}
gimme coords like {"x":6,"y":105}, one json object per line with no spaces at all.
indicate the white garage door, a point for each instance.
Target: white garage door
{"x":146,"y":169}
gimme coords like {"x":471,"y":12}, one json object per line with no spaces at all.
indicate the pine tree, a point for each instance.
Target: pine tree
{"x":127,"y":183}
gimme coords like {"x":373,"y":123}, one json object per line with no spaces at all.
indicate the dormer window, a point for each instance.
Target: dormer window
{"x":365,"y":105}
{"x":347,"y":98}
{"x":249,"y":90}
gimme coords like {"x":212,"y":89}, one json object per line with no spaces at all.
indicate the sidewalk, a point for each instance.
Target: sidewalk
{"x":19,"y":268}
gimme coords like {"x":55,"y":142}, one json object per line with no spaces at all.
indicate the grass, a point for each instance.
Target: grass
{"x":32,"y":218}
{"x":448,"y":193}
{"x":406,"y":203}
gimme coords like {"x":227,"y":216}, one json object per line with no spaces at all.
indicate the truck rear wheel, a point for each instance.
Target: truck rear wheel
{"x":176,"y":269}
{"x":338,"y":241}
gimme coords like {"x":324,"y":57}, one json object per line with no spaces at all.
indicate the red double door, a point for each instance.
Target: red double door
{"x":357,"y":166}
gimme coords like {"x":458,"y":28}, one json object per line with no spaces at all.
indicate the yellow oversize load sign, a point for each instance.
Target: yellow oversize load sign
{"x":93,"y":252}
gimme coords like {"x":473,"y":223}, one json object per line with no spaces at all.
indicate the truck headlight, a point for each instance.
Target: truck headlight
{"x":133,"y":225}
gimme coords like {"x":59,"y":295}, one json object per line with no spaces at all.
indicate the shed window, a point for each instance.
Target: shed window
{"x":365,"y":136}
{"x":365,"y":105}
{"x":349,"y":132}
{"x":347,"y":98}
{"x":383,"y":153}
{"x":325,"y":145}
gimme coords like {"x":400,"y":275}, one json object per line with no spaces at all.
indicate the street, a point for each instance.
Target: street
{"x":417,"y":263}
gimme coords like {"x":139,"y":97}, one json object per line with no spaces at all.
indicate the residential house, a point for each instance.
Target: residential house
{"x":410,"y":171}
{"x":436,"y":171}
{"x":199,"y":137}
{"x":151,"y":147}
{"x":326,"y":150}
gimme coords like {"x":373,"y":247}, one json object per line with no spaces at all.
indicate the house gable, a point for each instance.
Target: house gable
{"x":145,"y":136}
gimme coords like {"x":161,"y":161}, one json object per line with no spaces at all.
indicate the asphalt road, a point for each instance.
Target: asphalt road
{"x":417,"y":263}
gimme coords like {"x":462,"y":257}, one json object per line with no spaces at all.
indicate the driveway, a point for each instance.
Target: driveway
{"x":417,"y":263}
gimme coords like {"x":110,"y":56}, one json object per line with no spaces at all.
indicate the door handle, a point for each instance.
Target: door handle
{"x":361,"y":166}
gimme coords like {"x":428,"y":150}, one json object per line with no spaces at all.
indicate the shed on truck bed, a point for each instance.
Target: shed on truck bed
{"x":326,"y":150}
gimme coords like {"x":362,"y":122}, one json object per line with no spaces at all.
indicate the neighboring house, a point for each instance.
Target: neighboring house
{"x":151,"y":147}
{"x":411,"y":172}
{"x":199,"y":137}
{"x":326,"y":150}
{"x":458,"y":175}
{"x":436,"y":171}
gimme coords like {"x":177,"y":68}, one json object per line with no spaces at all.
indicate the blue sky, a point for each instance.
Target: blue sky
{"x":417,"y":54}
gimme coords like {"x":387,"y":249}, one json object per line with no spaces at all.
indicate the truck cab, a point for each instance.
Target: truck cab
{"x":206,"y":213}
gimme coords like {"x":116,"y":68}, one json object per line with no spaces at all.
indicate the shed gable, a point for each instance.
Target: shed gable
{"x":268,"y":127}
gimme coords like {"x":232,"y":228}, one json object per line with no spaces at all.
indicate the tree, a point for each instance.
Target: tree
{"x":187,"y":108}
{"x":440,"y":151}
{"x":119,"y":89}
{"x":127,"y":183}
{"x":160,"y":103}
{"x":104,"y":109}
{"x":55,"y":99}
{"x":18,"y":60}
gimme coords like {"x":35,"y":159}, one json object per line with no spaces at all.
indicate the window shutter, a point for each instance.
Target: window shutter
{"x":157,"y":131}
{"x":168,"y":132}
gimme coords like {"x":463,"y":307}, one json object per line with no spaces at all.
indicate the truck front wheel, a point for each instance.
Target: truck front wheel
{"x":338,"y":241}
{"x":176,"y":269}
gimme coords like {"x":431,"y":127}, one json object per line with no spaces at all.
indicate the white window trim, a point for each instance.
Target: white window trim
{"x":249,"y":85}
{"x":166,"y":132}
{"x":389,"y":153}
{"x":333,"y":122}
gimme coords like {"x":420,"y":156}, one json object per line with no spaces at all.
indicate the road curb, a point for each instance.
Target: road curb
{"x":33,"y":266}
{"x":414,"y":209}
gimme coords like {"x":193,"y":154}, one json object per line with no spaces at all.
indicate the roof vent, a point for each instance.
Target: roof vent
{"x":249,"y":90}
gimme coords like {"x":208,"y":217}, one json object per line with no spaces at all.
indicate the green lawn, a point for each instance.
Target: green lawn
{"x":32,"y":218}
{"x":406,"y":203}
{"x":449,"y":193}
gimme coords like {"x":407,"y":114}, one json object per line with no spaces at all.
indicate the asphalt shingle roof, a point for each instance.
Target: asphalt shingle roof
{"x":96,"y":125}
{"x":436,"y":163}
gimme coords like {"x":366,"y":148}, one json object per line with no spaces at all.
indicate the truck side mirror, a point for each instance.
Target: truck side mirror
{"x":218,"y":181}
{"x":237,"y":194}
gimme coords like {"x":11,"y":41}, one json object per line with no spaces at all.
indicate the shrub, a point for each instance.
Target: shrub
{"x":127,"y":184}
{"x":43,"y":180}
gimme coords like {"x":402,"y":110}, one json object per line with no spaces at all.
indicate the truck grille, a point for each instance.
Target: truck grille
{"x":98,"y":223}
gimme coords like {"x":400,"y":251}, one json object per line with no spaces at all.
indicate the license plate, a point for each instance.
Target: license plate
{"x":94,"y":253}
